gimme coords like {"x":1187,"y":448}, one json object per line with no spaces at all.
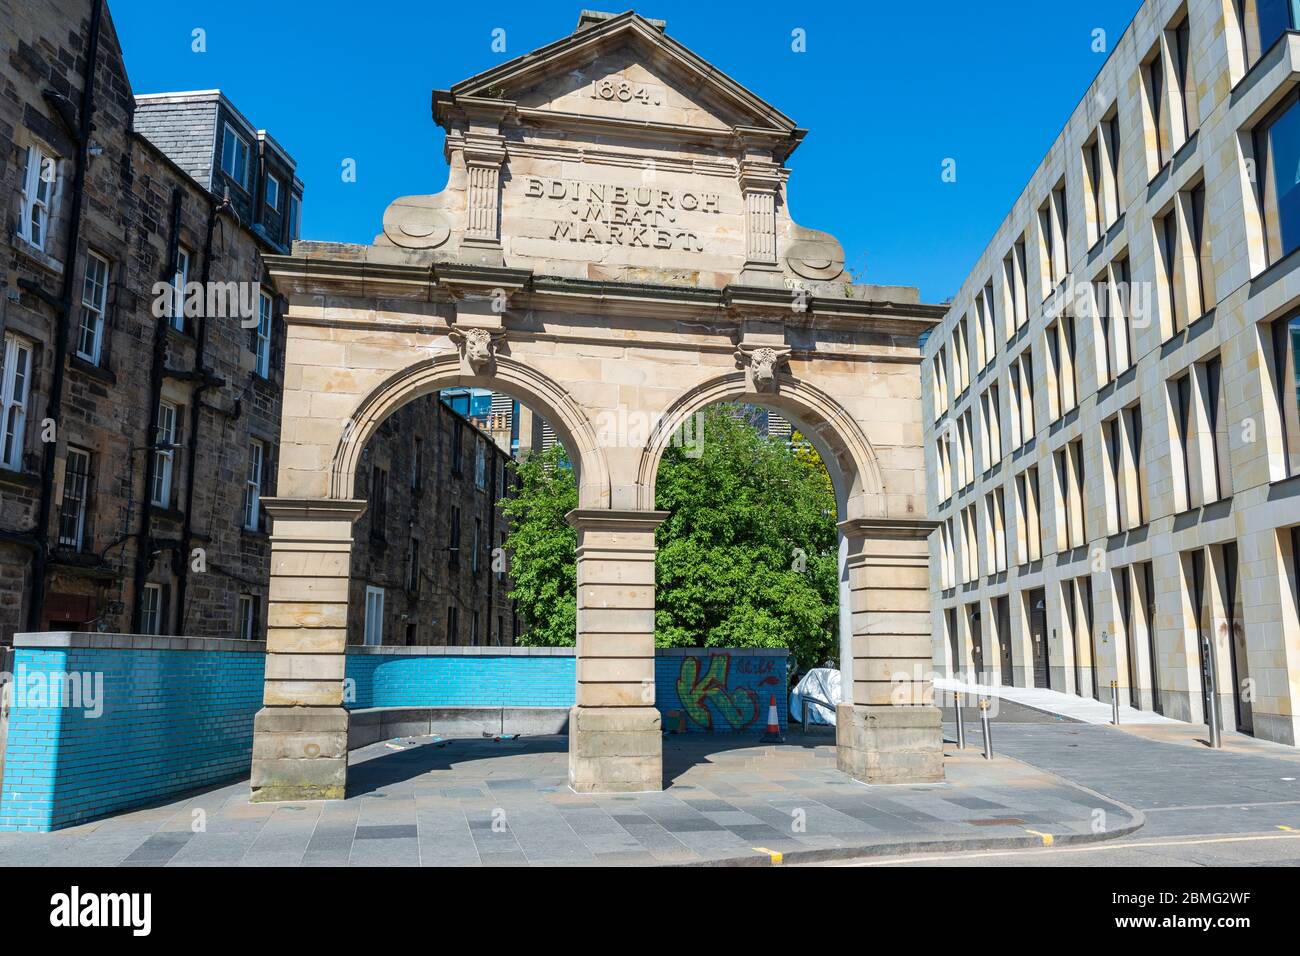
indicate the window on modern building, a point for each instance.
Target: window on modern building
{"x":1184,"y":456}
{"x":1017,"y":301}
{"x":968,"y":448}
{"x":1069,"y":496}
{"x":261,"y":336}
{"x":996,"y":530}
{"x":1120,"y":319}
{"x":970,"y":544}
{"x":1062,"y":367}
{"x":40,"y":176}
{"x":1218,"y":477}
{"x":76,"y":500}
{"x":1134,"y":496}
{"x":273,"y":192}
{"x":413,"y":565}
{"x":253,"y":485}
{"x":986,"y":317}
{"x":1171,"y":279}
{"x":247,"y":624}
{"x":1276,"y":147}
{"x":164,"y":454}
{"x":378,"y":504}
{"x":1282,"y":337}
{"x":374,"y":625}
{"x":1179,"y":39}
{"x":1157,"y":109}
{"x":234,"y":156}
{"x":961,"y":355}
{"x":945,"y":555}
{"x":1101,"y":178}
{"x":94,"y":305}
{"x":991,"y":426}
{"x":1201,"y":289}
{"x":453,"y":625}
{"x":1029,"y":540}
{"x":939,"y":377}
{"x":175,"y":307}
{"x":453,"y":538}
{"x":1261,"y":22}
{"x":1053,"y":228}
{"x":151,"y":609}
{"x":1021,"y":379}
{"x":16,"y":375}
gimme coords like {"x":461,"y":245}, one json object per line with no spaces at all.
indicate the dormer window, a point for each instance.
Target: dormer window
{"x":234,"y":156}
{"x":272,"y":192}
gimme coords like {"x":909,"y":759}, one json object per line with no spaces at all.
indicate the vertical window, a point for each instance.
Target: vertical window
{"x":39,"y":178}
{"x":374,"y":626}
{"x":417,"y":462}
{"x":413,"y":566}
{"x":1171,"y":272}
{"x":453,"y":538}
{"x":1285,"y":336}
{"x":1216,"y":430}
{"x":176,"y":297}
{"x":1115,"y":487}
{"x":295,"y":217}
{"x":272,"y":192}
{"x":457,"y":439}
{"x":378,"y":501}
{"x":76,"y":496}
{"x":262,"y":336}
{"x":94,"y":302}
{"x":1158,"y":109}
{"x":248,"y":614}
{"x":16,"y":373}
{"x":1201,"y":286}
{"x":1261,"y":22}
{"x":253,"y":485}
{"x":151,"y":609}
{"x":1180,"y":48}
{"x":480,"y":464}
{"x":1182,"y":393}
{"x":1014,"y":267}
{"x":1120,"y":301}
{"x":1062,"y":365}
{"x":234,"y":156}
{"x":164,"y":455}
{"x":1277,"y":157}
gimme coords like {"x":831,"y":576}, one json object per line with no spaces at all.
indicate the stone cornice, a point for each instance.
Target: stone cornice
{"x":892,"y":529}
{"x":310,"y":275}
{"x":609,"y":519}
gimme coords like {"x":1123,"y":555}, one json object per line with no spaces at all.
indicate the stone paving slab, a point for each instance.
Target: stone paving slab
{"x":478,"y":802}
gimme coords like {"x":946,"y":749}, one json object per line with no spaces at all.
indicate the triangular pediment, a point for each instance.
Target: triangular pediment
{"x":625,"y":68}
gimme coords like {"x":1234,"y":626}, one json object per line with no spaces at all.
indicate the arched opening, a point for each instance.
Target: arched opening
{"x":768,"y":571}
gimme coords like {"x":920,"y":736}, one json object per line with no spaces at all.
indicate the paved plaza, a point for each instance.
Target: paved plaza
{"x":468,"y":802}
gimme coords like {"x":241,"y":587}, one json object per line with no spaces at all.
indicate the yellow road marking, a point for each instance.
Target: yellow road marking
{"x":1047,"y":837}
{"x":772,"y":854}
{"x":1089,"y":848}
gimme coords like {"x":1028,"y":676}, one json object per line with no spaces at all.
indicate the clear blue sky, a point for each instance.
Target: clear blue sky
{"x":897,"y":87}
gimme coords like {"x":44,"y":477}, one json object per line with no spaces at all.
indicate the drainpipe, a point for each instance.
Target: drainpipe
{"x":206,"y":380}
{"x":63,"y":308}
{"x":144,"y":540}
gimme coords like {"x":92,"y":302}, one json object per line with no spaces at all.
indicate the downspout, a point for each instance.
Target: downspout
{"x":493,"y":451}
{"x":63,"y":308}
{"x":144,"y":540}
{"x":205,"y":381}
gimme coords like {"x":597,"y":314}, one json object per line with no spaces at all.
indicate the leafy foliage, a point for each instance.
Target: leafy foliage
{"x":747,"y":558}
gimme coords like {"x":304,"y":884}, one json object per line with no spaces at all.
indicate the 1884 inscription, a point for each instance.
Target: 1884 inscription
{"x":640,"y":217}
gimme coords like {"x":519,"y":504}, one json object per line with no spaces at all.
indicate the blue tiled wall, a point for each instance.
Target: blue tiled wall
{"x":177,"y":720}
{"x":392,"y":680}
{"x":172,"y":721}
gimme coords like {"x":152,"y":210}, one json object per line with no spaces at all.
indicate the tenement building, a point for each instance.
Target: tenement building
{"x":141,"y":411}
{"x":428,"y":555}
{"x":1112,"y":440}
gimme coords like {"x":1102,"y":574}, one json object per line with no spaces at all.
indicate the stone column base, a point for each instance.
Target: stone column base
{"x":889,"y":744}
{"x":615,"y":749}
{"x":300,"y":753}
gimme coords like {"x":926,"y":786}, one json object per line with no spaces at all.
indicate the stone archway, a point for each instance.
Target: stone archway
{"x":619,"y":261}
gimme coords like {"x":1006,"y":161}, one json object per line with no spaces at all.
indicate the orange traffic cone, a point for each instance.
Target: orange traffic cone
{"x":773,"y":735}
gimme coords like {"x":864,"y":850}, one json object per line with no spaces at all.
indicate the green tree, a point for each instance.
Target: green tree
{"x":748,"y":556}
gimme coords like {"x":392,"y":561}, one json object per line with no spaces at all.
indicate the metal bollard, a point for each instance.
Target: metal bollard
{"x":988,"y":735}
{"x":1114,"y":702}
{"x":804,"y":702}
{"x":961,"y":725}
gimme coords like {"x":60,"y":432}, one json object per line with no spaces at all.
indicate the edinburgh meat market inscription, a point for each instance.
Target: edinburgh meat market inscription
{"x":639,"y":217}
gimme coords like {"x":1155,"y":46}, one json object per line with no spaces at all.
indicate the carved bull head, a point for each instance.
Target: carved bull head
{"x":764,"y":363}
{"x":477,"y":347}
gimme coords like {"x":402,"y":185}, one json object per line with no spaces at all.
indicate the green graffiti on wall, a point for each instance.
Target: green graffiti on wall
{"x":696,"y":691}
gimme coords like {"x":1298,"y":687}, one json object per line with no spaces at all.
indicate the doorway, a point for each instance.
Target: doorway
{"x":1037,"y":615}
{"x":1236,"y":634}
{"x":976,"y":640}
{"x":1002,"y":620}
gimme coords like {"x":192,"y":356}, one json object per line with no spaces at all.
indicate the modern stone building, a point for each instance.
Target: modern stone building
{"x":141,"y":422}
{"x":1112,"y":444}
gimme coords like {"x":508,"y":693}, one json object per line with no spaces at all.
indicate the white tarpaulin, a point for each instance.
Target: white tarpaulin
{"x":821,"y":686}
